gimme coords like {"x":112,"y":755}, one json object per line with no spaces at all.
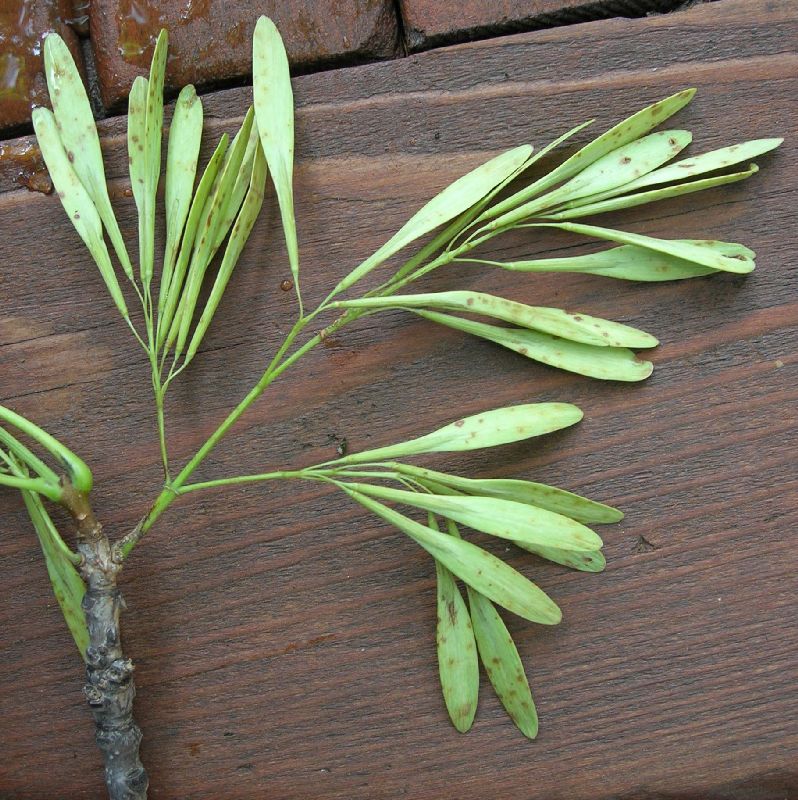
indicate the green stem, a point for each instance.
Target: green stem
{"x":32,"y":485}
{"x":78,"y":471}
{"x":172,"y":490}
{"x":136,"y":334}
{"x":277,"y":366}
{"x":159,"y":397}
{"x":275,"y":369}
{"x":239,"y":479}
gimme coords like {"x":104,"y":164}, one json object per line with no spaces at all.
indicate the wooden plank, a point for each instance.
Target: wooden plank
{"x":431,"y":23}
{"x":284,"y":640}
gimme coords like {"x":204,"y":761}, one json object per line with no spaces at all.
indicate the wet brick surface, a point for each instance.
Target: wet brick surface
{"x":210,"y":40}
{"x":23,"y":25}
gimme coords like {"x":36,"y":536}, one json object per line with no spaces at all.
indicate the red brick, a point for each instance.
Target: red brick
{"x":79,"y":16}
{"x":210,"y":40}
{"x":428,"y":23}
{"x":23,"y":24}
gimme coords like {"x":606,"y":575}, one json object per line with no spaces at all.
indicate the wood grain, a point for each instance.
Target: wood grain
{"x":284,"y":638}
{"x":431,"y":23}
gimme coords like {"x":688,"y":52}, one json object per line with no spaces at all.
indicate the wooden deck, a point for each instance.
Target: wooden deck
{"x":284,"y":638}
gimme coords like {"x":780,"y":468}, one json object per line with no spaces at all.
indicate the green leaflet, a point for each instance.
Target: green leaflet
{"x":185,"y":133}
{"x":445,"y":206}
{"x":641,"y":198}
{"x":524,"y":491}
{"x":488,"y":429}
{"x":15,"y":474}
{"x":503,"y":665}
{"x":615,"y":169}
{"x":457,"y":652}
{"x":67,"y":584}
{"x":242,"y":181}
{"x":78,"y":134}
{"x":695,"y":165}
{"x":503,"y":518}
{"x":585,"y":561}
{"x":491,"y":212}
{"x":238,"y":238}
{"x":174,"y":293}
{"x":274,"y":109}
{"x":624,"y":164}
{"x":31,"y":461}
{"x":475,"y":213}
{"x":630,"y":262}
{"x":621,"y":134}
{"x":604,"y":363}
{"x":153,"y":129}
{"x":500,"y":658}
{"x":76,"y":469}
{"x":577,"y":327}
{"x":697,"y":254}
{"x":474,"y":566}
{"x":536,"y":494}
{"x":470,"y":216}
{"x":212,"y":217}
{"x":137,"y":152}
{"x":76,"y":201}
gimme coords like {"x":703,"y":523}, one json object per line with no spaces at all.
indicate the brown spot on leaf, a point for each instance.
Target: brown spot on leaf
{"x":626,"y":160}
{"x":459,"y":423}
{"x":451,"y":609}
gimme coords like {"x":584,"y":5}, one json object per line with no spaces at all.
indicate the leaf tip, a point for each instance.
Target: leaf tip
{"x":646,"y":340}
{"x":614,"y":515}
{"x":464,"y":721}
{"x":569,"y":413}
{"x":265,"y":25}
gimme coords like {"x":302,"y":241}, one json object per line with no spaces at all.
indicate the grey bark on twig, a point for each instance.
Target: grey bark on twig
{"x":110,"y":688}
